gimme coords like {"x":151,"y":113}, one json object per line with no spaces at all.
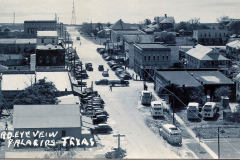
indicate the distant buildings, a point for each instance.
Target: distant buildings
{"x":165,"y":22}
{"x":148,"y":57}
{"x":211,"y":36}
{"x":31,"y":27}
{"x":47,"y":37}
{"x":205,"y":57}
{"x":233,"y":48}
{"x":118,"y":29}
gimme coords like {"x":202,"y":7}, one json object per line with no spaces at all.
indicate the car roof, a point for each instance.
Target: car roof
{"x":103,"y":124}
{"x":156,"y":102}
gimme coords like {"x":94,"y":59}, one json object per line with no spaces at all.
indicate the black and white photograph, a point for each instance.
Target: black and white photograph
{"x":120,"y":79}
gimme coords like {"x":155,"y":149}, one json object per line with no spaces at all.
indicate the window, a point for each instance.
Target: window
{"x":145,"y":58}
{"x":63,"y":133}
{"x":40,"y":60}
{"x":220,"y":35}
{"x":215,"y":34}
{"x":167,"y":58}
{"x":42,"y":40}
{"x":209,"y":35}
{"x":149,"y":58}
{"x":47,"y":60}
{"x":54,"y":60}
{"x":163,"y":58}
{"x":224,"y":35}
{"x":118,"y":39}
{"x":154,"y":58}
{"x":205,"y":35}
{"x":158,"y":58}
{"x":53,"y":40}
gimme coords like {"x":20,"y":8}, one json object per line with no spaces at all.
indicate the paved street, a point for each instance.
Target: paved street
{"x":122,"y":104}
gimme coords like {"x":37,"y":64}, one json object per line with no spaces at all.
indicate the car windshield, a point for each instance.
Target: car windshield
{"x":157,"y":105}
{"x":146,"y":94}
{"x":173,"y":129}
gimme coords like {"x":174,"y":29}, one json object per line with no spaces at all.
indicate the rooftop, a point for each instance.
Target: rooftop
{"x":60,"y":79}
{"x":119,"y":25}
{"x":26,"y":41}
{"x":46,"y":116}
{"x":151,"y":46}
{"x":69,"y":99}
{"x":7,"y":41}
{"x":40,"y":21}
{"x":129,"y":31}
{"x":16,"y":81}
{"x":199,"y":51}
{"x":49,"y":47}
{"x":180,"y":78}
{"x":162,"y":18}
{"x":47,"y":34}
{"x":138,"y":38}
{"x":234,"y":44}
{"x":210,"y":77}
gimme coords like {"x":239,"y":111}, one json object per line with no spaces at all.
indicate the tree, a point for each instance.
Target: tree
{"x":99,"y":26}
{"x":86,"y":28}
{"x":194,"y":23}
{"x":221,"y":20}
{"x":95,"y":33}
{"x":235,"y":27}
{"x":196,"y":94}
{"x":182,"y":25}
{"x":39,"y":93}
{"x":108,"y":24}
{"x":147,"y":21}
{"x":222,"y":91}
{"x":140,"y":25}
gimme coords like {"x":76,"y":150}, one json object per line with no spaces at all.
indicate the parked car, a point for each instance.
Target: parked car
{"x":111,"y":63}
{"x":118,"y":82}
{"x":78,"y":38}
{"x":82,"y":83}
{"x":102,"y":128}
{"x":108,"y":58}
{"x":124,"y":76}
{"x":88,"y":66}
{"x":105,"y":74}
{"x":100,"y":68}
{"x":81,"y":75}
{"x":102,"y":82}
{"x":105,"y":55}
{"x":116,"y":67}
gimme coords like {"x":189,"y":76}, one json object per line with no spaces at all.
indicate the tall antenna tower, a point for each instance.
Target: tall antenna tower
{"x":13,"y":18}
{"x":73,"y":15}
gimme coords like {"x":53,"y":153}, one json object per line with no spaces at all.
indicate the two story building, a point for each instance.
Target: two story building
{"x":211,"y":36}
{"x":206,"y":57}
{"x":31,"y":27}
{"x":165,"y":22}
{"x":148,"y":57}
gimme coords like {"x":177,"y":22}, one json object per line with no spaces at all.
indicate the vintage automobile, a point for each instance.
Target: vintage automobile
{"x":100,"y":68}
{"x":102,"y":128}
{"x":78,"y":38}
{"x":81,"y":75}
{"x":88,"y":66}
{"x":102,"y":82}
{"x":105,"y":74}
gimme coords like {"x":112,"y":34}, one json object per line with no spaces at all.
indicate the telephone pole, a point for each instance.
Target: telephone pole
{"x":218,"y":145}
{"x":81,"y":76}
{"x":119,"y":143}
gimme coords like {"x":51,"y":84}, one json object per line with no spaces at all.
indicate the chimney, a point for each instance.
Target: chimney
{"x":165,"y":15}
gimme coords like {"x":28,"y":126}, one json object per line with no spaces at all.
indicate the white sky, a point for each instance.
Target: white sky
{"x":130,"y":11}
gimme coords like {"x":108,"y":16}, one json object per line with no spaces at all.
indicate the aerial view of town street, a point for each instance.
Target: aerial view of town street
{"x":120,"y":79}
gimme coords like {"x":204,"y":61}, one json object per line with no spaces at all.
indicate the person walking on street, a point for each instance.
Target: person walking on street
{"x":6,"y":126}
{"x":110,"y":87}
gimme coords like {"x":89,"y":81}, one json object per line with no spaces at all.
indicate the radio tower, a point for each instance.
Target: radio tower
{"x":73,"y":15}
{"x":13,"y":18}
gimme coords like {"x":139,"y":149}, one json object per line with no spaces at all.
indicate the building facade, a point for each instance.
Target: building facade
{"x":211,"y":36}
{"x":165,"y":22}
{"x":205,"y":57}
{"x":31,"y":27}
{"x":47,"y":37}
{"x":233,"y":49}
{"x":148,"y":57}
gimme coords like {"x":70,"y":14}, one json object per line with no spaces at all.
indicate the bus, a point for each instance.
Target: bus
{"x":146,"y":97}
{"x":171,"y":133}
{"x":156,"y":108}
{"x":209,"y":110}
{"x":193,"y":110}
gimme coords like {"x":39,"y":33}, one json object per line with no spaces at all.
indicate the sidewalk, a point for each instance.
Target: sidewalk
{"x":177,"y":118}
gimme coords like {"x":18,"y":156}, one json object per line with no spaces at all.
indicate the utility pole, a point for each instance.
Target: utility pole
{"x":74,"y":64}
{"x":118,"y":143}
{"x":81,"y":76}
{"x":65,"y":36}
{"x":68,"y":50}
{"x":218,"y":145}
{"x":92,"y":98}
{"x":13,"y":18}
{"x":144,"y":83}
{"x":173,"y":104}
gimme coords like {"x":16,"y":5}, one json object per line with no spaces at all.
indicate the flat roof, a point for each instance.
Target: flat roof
{"x":40,"y":21}
{"x":151,"y":46}
{"x":49,"y":47}
{"x":26,"y":41}
{"x":210,"y":77}
{"x":47,"y":34}
{"x":7,"y":40}
{"x":17,"y":81}
{"x":69,"y":99}
{"x":180,"y":78}
{"x":46,"y":116}
{"x":60,"y":79}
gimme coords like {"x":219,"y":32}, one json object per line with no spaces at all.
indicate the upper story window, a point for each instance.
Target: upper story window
{"x":54,"y":60}
{"x":209,"y":35}
{"x":149,"y":58}
{"x":42,"y":40}
{"x":145,"y":58}
{"x":220,"y":35}
{"x":166,"y":58}
{"x":158,"y":58}
{"x":224,"y":35}
{"x":215,"y":34}
{"x":47,"y":60}
{"x":154,"y":58}
{"x":163,"y":58}
{"x":53,"y":40}
{"x":118,"y":39}
{"x":205,"y":35}
{"x":40,"y":60}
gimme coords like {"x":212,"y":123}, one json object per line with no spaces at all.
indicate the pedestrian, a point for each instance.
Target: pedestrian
{"x":110,"y":87}
{"x":136,"y":77}
{"x":6,"y":126}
